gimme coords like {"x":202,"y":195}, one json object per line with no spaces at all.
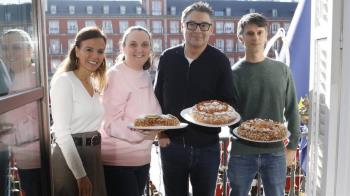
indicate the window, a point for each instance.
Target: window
{"x":251,"y":10}
{"x":72,"y":26}
{"x":138,"y":10}
{"x":90,"y":23}
{"x":157,"y":27}
{"x":174,"y":26}
{"x":274,"y":13}
{"x":71,"y":9}
{"x":219,"y":27}
{"x":229,"y":45}
{"x":156,"y":8}
{"x":219,"y":43}
{"x":105,"y":9}
{"x":274,"y":27}
{"x":89,"y":9}
{"x":109,"y":46}
{"x":218,"y":13}
{"x":53,"y":9}
{"x":55,"y":46}
{"x":71,"y":43}
{"x":232,"y":60}
{"x":55,"y":64}
{"x":229,"y":27}
{"x":107,"y":26}
{"x":174,"y":42}
{"x":276,"y":45}
{"x":54,"y":27}
{"x":157,"y":45}
{"x":141,"y":23}
{"x":123,"y":25}
{"x":7,"y":17}
{"x":240,"y":47}
{"x":286,"y":26}
{"x":173,"y":10}
{"x":228,"y":11}
{"x":122,"y":9}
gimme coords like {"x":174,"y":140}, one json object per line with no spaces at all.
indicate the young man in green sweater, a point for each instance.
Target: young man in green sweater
{"x":263,"y":88}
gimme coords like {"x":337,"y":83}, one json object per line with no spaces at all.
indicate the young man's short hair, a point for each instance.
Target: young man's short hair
{"x":252,"y":18}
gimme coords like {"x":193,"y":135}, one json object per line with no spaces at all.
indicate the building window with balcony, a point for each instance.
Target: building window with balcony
{"x":105,"y":9}
{"x":220,"y":44}
{"x":90,"y":23}
{"x":89,"y":9}
{"x":173,"y":10}
{"x":123,"y":25}
{"x":157,"y":45}
{"x":109,"y":46}
{"x":229,"y":27}
{"x":229,"y":45}
{"x":274,"y":27}
{"x":54,"y":27}
{"x":122,"y":10}
{"x":174,"y":26}
{"x":53,"y":9}
{"x":72,"y":26}
{"x":107,"y":26}
{"x":71,"y":43}
{"x":138,"y":10}
{"x":71,"y":9}
{"x":156,"y":8}
{"x":141,"y":23}
{"x":55,"y":46}
{"x":174,"y":42}
{"x":157,"y":27}
{"x":286,"y":26}
{"x":219,"y":27}
{"x":274,"y":13}
{"x":55,"y":64}
{"x":228,"y":11}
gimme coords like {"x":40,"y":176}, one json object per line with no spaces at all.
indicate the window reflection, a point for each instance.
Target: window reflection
{"x":19,"y":134}
{"x":16,"y":66}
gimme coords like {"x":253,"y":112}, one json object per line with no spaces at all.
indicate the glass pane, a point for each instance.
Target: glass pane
{"x":18,"y":59}
{"x":19,"y":149}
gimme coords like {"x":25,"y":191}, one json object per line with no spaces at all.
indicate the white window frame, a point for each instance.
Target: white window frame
{"x":157,"y":26}
{"x":174,"y":26}
{"x":174,"y":42}
{"x":54,"y":27}
{"x":70,"y":43}
{"x":72,"y":26}
{"x":228,"y":11}
{"x":123,"y":25}
{"x":274,"y":27}
{"x":219,"y":27}
{"x":71,"y":9}
{"x":156,"y":8}
{"x":106,"y":9}
{"x":229,"y":27}
{"x":220,"y":44}
{"x":138,"y":10}
{"x":122,"y":10}
{"x":107,"y":26}
{"x":90,"y":23}
{"x":157,"y":45}
{"x":173,"y":10}
{"x":89,"y":9}
{"x":53,"y":9}
{"x":229,"y":45}
{"x":109,"y":46}
{"x":141,"y":23}
{"x":55,"y":46}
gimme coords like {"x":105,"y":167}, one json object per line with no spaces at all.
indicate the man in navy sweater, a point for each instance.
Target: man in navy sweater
{"x":187,"y":74}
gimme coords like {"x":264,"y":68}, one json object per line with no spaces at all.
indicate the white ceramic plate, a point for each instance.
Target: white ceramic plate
{"x":272,"y":141}
{"x":182,"y":125}
{"x":186,"y":115}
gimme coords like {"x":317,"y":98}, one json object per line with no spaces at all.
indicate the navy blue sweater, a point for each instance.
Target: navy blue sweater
{"x":180,"y":85}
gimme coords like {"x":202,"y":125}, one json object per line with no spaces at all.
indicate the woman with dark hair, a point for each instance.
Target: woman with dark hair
{"x":126,"y":153}
{"x":77,"y":114}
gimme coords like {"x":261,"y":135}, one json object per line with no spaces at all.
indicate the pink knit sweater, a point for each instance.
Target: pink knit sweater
{"x":129,"y":94}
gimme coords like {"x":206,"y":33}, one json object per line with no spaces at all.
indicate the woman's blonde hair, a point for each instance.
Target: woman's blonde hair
{"x":71,"y":62}
{"x":122,"y":43}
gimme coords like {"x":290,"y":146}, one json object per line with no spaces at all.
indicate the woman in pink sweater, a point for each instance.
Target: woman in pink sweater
{"x":129,"y":93}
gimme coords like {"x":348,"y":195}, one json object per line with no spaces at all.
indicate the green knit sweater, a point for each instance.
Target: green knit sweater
{"x":265,"y":90}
